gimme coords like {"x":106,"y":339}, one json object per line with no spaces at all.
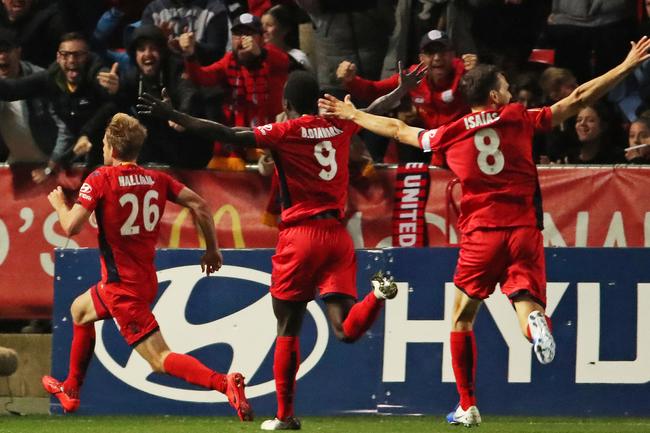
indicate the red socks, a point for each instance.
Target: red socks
{"x":81,"y":352}
{"x":285,"y":367}
{"x":361,"y":316}
{"x":191,"y":370}
{"x":548,"y":322}
{"x":463,"y":361}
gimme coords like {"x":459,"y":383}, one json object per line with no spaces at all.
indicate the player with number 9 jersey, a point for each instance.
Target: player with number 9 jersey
{"x":311,"y":155}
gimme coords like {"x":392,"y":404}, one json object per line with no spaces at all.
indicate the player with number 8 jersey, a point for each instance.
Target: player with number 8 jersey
{"x":490,"y":150}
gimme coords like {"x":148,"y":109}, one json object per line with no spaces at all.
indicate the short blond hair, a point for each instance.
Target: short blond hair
{"x":553,"y":78}
{"x":126,"y":135}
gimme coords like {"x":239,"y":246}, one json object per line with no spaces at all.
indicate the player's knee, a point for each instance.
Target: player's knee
{"x":77,"y":312}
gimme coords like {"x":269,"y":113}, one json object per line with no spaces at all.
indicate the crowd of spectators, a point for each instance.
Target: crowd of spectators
{"x":67,"y":66}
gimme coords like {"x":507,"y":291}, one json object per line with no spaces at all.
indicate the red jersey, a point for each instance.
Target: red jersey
{"x":311,"y":160}
{"x":491,"y":152}
{"x":128,"y":201}
{"x":435,"y":107}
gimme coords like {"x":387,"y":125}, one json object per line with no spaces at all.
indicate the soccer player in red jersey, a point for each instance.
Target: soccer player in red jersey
{"x":128,"y":202}
{"x":490,"y":150}
{"x":314,"y":251}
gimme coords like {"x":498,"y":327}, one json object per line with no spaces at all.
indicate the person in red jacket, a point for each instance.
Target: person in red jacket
{"x":252,"y":75}
{"x":436,"y":100}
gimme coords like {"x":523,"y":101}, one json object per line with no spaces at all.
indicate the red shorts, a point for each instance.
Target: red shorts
{"x":314,"y":255}
{"x":129,"y":305}
{"x":512,"y":257}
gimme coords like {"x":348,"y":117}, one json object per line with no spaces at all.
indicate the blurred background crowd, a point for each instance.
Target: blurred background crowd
{"x":67,"y":66}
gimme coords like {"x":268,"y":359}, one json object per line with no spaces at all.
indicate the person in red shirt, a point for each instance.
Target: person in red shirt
{"x":490,"y":150}
{"x":315,"y":253}
{"x":437,"y":99}
{"x":252,"y":76}
{"x":128,"y":202}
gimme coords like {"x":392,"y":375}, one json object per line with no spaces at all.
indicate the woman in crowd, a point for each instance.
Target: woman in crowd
{"x":598,"y":132}
{"x":638,"y":151}
{"x":280,"y":29}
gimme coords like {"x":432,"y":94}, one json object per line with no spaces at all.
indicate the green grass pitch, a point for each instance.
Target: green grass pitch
{"x":343,"y":424}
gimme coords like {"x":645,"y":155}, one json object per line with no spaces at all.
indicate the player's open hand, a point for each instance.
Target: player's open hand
{"x":638,"y":53}
{"x":333,"y":107}
{"x":211,"y":261}
{"x":56,"y":198}
{"x":149,"y":105}
{"x":410,"y":79}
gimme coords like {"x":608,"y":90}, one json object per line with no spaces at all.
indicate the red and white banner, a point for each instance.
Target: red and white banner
{"x":583,"y":207}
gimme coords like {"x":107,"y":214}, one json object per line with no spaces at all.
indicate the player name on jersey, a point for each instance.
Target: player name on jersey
{"x":135,"y":179}
{"x":480,"y":119}
{"x":331,"y":131}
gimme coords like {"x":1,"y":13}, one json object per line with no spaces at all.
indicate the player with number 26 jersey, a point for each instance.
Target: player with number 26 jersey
{"x":491,"y":152}
{"x":128,"y":201}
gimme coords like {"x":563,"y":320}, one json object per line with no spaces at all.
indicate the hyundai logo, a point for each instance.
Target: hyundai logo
{"x":250,"y":332}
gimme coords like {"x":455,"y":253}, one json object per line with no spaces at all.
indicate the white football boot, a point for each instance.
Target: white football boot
{"x":290,"y":423}
{"x":468,"y":418}
{"x":543,"y":341}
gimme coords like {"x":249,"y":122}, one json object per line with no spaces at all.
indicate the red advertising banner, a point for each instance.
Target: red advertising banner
{"x":582,"y":207}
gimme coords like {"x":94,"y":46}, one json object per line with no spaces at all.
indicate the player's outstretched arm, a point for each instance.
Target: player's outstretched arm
{"x":386,"y":126}
{"x":148,"y":105}
{"x":212,"y":259}
{"x":589,"y":92}
{"x":407,"y":82}
{"x":71,"y":220}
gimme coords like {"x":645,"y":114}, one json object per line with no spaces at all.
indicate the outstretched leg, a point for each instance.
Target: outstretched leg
{"x":81,"y":351}
{"x":463,"y":359}
{"x":155,"y":351}
{"x":350,"y":319}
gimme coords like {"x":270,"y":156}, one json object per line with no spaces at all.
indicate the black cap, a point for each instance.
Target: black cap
{"x":247,"y":21}
{"x":435,"y":40}
{"x":147,"y":32}
{"x":8,"y":39}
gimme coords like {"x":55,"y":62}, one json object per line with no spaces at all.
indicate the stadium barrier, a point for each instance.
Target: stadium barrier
{"x":598,"y":299}
{"x":583,"y":207}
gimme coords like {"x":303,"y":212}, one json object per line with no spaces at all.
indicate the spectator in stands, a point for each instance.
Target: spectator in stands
{"x":556,"y":84}
{"x":205,"y":20}
{"x":434,"y":102}
{"x":70,"y":85}
{"x":471,"y":27}
{"x":157,"y":69}
{"x":590,"y":32}
{"x":639,"y":135}
{"x":281,"y":31}
{"x":598,"y":135}
{"x":356,"y":31}
{"x":252,"y":76}
{"x":39,"y":26}
{"x":27,"y":128}
{"x":526,"y":91}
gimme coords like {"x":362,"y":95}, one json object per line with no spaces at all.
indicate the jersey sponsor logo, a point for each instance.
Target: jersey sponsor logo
{"x":86,"y":188}
{"x":85,"y":196}
{"x":265,"y":128}
{"x":250,"y":332}
{"x":319,"y":133}
{"x":480,"y":119}
{"x":135,"y":179}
